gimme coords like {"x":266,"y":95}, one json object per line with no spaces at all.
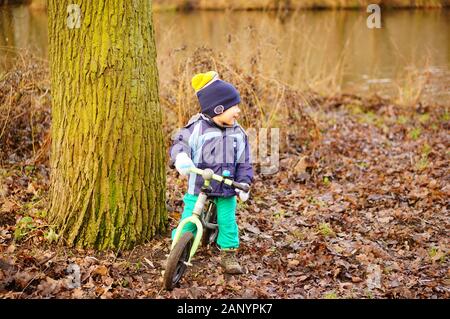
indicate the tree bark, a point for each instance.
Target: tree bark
{"x":108,"y":158}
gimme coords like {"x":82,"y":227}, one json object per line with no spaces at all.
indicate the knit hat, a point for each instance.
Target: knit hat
{"x":215,"y":96}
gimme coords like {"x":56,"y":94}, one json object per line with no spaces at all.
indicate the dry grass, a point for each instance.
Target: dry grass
{"x":24,"y":111}
{"x":410,"y":83}
{"x":410,"y":87}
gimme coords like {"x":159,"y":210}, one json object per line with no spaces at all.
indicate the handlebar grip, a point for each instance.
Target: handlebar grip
{"x":240,"y":186}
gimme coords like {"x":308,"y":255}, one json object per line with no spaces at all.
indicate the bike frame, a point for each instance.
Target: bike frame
{"x":207,"y":175}
{"x":195,"y":219}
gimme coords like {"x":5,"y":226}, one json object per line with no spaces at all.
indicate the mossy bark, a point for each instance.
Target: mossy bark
{"x":108,"y":158}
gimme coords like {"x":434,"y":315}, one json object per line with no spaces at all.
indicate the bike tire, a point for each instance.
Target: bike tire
{"x":175,"y":266}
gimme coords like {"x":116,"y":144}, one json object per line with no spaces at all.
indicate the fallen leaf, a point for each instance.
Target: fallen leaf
{"x":8,"y":207}
{"x":385,"y":220}
{"x":48,"y":286}
{"x":356,"y":279}
{"x":252,"y":228}
{"x":301,"y":165}
{"x":303,"y":278}
{"x":77,"y":293}
{"x":11,"y":249}
{"x":101,"y":270}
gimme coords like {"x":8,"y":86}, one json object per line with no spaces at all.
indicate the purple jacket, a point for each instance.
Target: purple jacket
{"x":217,"y":148}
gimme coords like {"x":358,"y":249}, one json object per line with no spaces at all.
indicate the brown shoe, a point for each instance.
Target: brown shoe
{"x":229,"y":262}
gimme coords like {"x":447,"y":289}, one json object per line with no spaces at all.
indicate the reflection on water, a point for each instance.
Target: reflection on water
{"x":323,"y":49}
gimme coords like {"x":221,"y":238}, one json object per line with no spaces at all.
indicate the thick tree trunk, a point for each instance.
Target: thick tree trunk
{"x":108,"y":158}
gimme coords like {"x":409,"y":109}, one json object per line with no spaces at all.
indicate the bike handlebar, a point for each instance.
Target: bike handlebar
{"x":209,"y":174}
{"x":242,"y":187}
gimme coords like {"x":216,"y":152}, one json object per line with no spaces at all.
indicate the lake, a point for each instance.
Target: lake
{"x":328,"y":51}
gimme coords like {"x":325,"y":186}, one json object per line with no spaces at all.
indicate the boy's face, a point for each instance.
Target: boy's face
{"x":228,"y":117}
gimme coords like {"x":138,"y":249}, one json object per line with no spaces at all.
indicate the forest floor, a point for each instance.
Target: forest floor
{"x":362,"y":215}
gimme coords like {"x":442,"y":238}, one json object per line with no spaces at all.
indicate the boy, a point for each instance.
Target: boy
{"x":213,"y":139}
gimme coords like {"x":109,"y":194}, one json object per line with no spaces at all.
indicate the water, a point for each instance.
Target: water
{"x":325,"y":50}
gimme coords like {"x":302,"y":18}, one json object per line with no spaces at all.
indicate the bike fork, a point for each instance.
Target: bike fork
{"x":195,"y":219}
{"x":198,"y":236}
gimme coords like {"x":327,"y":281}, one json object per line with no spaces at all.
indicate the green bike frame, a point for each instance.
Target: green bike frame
{"x":207,"y":175}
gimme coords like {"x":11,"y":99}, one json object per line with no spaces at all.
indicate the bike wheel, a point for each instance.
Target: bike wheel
{"x":176,"y":267}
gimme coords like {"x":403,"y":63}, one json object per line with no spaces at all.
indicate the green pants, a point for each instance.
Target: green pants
{"x":226,"y":219}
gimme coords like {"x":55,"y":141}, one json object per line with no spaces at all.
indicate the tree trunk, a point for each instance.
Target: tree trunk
{"x":108,"y":157}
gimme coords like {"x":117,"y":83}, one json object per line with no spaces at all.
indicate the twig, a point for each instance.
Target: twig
{"x":149,"y":262}
{"x":46,"y":259}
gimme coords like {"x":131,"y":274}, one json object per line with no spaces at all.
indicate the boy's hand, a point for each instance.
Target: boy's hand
{"x":243,"y":195}
{"x":183,"y":163}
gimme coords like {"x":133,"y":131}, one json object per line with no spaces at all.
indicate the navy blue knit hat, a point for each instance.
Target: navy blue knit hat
{"x":215,"y":96}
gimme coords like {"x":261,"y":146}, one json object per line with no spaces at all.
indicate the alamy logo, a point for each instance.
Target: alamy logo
{"x":74,"y":18}
{"x":74,"y":276}
{"x":374,"y":20}
{"x":212,"y":148}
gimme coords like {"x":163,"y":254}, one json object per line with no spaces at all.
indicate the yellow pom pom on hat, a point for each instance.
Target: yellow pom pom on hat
{"x":200,"y":80}
{"x":214,"y":95}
